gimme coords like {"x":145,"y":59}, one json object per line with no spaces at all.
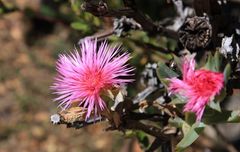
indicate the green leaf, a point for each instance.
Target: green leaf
{"x":210,"y":63}
{"x":218,"y":60}
{"x":212,"y":116}
{"x":227,"y":73}
{"x":164,"y":71}
{"x":190,"y":118}
{"x":215,"y":105}
{"x":178,"y":100}
{"x":234,"y":117}
{"x":176,"y":122}
{"x":185,"y":128}
{"x":221,"y":96}
{"x":191,"y":133}
{"x":80,"y":26}
{"x":143,"y":138}
{"x":177,"y":61}
{"x":214,"y":62}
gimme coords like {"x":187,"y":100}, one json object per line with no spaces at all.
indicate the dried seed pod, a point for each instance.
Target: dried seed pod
{"x":195,"y":33}
{"x":74,"y":117}
{"x":73,"y":114}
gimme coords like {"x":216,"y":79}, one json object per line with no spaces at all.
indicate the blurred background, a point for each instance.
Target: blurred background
{"x":32,"y":34}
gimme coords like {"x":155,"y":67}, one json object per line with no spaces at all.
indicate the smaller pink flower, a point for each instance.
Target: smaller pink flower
{"x":198,"y":86}
{"x":83,"y":76}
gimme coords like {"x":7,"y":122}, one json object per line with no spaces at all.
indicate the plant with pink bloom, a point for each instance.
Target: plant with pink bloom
{"x":198,"y":86}
{"x":84,"y":76}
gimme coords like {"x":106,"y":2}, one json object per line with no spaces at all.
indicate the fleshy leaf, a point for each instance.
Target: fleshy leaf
{"x":176,"y":122}
{"x":212,"y":116}
{"x":177,"y":61}
{"x":218,"y":60}
{"x":190,"y":117}
{"x":190,"y":135}
{"x":210,"y":63}
{"x":215,"y":105}
{"x":164,"y":72}
{"x":214,"y":62}
{"x":178,"y":100}
{"x":227,"y":73}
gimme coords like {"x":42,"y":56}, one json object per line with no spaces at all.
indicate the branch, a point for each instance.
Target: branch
{"x":145,"y":116}
{"x":155,"y":145}
{"x":151,"y":46}
{"x":74,"y":124}
{"x":74,"y":118}
{"x":101,"y":10}
{"x":149,"y":129}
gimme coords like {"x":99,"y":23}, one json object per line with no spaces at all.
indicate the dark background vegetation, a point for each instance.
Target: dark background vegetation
{"x":32,"y":34}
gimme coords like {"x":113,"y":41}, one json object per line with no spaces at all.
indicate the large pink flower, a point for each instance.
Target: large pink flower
{"x":83,"y":76}
{"x":198,"y":86}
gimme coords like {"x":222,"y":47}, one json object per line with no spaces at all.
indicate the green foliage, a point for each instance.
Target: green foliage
{"x":214,"y":62}
{"x":212,"y":116}
{"x":213,"y":112}
{"x":191,"y":133}
{"x":142,"y":138}
{"x":80,"y":26}
{"x":164,"y":72}
{"x":227,"y":73}
{"x":191,"y":130}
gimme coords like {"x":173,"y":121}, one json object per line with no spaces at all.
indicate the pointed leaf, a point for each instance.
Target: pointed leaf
{"x":177,"y":61}
{"x":227,"y":73}
{"x":210,"y":63}
{"x":178,"y":100}
{"x":212,"y":116}
{"x":176,"y":122}
{"x":221,"y":96}
{"x":164,"y":71}
{"x":218,"y":60}
{"x":190,"y":118}
{"x":190,"y":136}
{"x":215,"y":105}
{"x":187,"y":140}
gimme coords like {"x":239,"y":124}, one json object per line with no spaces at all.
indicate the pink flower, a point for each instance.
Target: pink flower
{"x":198,"y":86}
{"x":83,"y":76}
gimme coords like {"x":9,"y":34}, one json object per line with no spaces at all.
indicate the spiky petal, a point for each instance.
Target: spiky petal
{"x":84,"y":75}
{"x":198,"y":86}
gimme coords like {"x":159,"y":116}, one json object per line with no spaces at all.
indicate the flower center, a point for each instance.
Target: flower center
{"x":93,"y":81}
{"x":204,"y":83}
